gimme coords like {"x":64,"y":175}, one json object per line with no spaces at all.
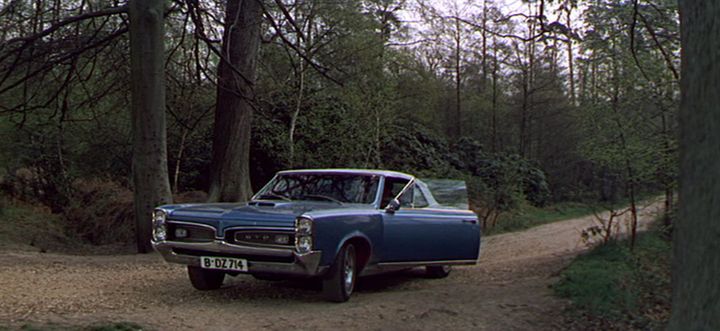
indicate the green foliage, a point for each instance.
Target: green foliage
{"x":536,"y":188}
{"x":506,"y":179}
{"x":612,"y":284}
{"x":628,"y":110}
{"x":414,"y":148}
{"x":594,"y":281}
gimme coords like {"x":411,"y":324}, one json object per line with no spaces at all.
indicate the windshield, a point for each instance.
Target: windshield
{"x":338,"y":188}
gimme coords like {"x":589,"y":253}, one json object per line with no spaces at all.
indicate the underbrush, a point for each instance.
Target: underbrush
{"x":99,"y":213}
{"x":25,"y":226}
{"x":612,"y":287}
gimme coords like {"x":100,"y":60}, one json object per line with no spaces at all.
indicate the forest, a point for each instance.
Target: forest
{"x":531,"y":102}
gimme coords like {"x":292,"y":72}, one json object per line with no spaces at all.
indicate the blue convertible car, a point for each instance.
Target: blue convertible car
{"x":336,"y":224}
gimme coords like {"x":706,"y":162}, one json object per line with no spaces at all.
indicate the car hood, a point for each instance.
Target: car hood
{"x":258,"y":213}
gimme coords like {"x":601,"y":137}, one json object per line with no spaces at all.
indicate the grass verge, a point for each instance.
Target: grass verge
{"x":529,"y":216}
{"x":612,"y":287}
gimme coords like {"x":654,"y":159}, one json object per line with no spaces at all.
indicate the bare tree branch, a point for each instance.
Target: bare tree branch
{"x":65,"y":57}
{"x":54,"y":27}
{"x":666,"y":56}
{"x":633,"y":51}
{"x":200,"y":33}
{"x":320,"y":69}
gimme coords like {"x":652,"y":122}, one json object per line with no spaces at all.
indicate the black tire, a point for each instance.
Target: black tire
{"x":339,"y":282}
{"x":441,"y":271}
{"x":205,"y":280}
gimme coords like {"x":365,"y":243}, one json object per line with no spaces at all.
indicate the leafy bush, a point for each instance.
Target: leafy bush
{"x":535,"y":185}
{"x":414,"y":148}
{"x":498,"y":183}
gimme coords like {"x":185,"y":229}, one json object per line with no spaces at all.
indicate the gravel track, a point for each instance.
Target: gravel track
{"x":508,"y":289}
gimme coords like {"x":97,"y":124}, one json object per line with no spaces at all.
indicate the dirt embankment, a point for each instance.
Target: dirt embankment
{"x":508,"y":289}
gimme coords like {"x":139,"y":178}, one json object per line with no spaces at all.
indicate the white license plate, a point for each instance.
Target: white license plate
{"x":223,"y":263}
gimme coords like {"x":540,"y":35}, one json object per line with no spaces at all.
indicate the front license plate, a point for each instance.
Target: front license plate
{"x":223,"y":263}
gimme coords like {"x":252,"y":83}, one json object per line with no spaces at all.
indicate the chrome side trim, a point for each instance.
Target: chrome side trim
{"x":410,"y":264}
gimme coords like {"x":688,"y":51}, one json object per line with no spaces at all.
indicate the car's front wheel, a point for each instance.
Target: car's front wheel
{"x":205,"y":280}
{"x":339,"y":283}
{"x":438,"y":271}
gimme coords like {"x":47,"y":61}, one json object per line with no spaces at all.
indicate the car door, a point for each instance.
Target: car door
{"x":416,"y":233}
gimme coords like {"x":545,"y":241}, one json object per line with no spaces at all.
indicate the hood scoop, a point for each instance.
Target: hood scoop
{"x":261,"y":204}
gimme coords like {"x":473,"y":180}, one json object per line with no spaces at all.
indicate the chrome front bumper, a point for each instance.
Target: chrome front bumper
{"x":304,"y":264}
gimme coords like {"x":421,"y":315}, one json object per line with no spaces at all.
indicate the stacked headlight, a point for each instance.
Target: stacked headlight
{"x":303,"y":234}
{"x":159,"y":225}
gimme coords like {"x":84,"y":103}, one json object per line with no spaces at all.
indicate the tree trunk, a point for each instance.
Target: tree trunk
{"x":230,"y":166}
{"x":149,"y":162}
{"x":458,"y":116}
{"x":494,"y":122}
{"x":301,"y":80}
{"x":178,"y":159}
{"x":571,"y":72}
{"x":296,"y":114}
{"x":626,"y":153}
{"x":696,"y":244}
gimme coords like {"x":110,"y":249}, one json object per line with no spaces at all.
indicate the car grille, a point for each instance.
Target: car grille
{"x":195,"y":233}
{"x":250,"y":257}
{"x":261,"y":238}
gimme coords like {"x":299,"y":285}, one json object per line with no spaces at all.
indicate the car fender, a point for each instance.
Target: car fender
{"x":353,"y":236}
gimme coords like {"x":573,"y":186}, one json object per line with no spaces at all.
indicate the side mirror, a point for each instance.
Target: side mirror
{"x":393,"y":206}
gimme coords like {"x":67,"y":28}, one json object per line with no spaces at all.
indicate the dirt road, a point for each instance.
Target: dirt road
{"x":508,"y":289}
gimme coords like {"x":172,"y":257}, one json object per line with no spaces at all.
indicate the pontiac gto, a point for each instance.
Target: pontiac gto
{"x":336,"y":224}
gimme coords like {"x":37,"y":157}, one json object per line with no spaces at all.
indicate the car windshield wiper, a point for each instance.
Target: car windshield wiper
{"x":321,"y":197}
{"x":270,"y":195}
